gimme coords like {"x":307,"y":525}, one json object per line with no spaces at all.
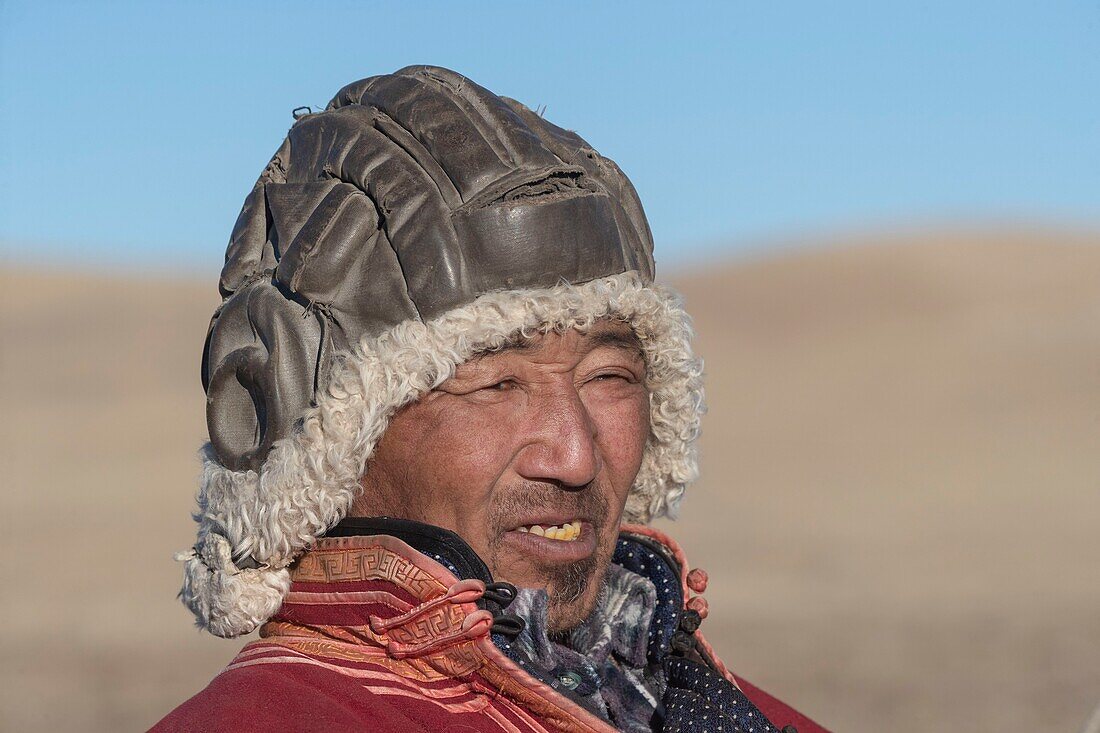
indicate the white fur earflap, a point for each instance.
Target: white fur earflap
{"x":309,"y":480}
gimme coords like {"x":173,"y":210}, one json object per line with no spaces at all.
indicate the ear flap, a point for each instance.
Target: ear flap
{"x":237,"y":407}
{"x":262,"y":357}
{"x":267,"y":347}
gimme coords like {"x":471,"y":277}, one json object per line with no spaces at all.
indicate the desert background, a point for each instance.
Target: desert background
{"x":899,"y":509}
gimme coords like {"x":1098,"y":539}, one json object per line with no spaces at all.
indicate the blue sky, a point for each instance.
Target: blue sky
{"x":132,"y":131}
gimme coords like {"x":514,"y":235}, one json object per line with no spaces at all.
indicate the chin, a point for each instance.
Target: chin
{"x":574,"y":591}
{"x":566,"y":618}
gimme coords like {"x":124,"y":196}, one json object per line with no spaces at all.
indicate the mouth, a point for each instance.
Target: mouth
{"x":568,"y":541}
{"x":567,"y":532}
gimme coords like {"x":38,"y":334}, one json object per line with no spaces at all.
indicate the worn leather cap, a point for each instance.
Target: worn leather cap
{"x":411,"y":194}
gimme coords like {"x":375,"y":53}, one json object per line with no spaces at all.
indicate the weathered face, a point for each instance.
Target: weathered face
{"x":528,"y":454}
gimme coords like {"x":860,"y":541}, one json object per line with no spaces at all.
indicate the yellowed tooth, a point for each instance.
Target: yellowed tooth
{"x":554,"y":533}
{"x":536,"y":529}
{"x":522,"y":529}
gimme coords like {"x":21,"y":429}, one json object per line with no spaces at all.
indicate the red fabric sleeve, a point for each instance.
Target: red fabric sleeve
{"x":255,"y":699}
{"x":779,"y":713}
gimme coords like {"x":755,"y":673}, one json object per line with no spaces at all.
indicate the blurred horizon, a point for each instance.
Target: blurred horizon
{"x":699,"y":261}
{"x":131,"y":132}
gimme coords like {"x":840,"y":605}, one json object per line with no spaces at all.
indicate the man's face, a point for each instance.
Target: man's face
{"x":548,"y":433}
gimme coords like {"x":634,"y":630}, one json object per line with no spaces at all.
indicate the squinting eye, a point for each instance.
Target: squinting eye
{"x":501,"y":386}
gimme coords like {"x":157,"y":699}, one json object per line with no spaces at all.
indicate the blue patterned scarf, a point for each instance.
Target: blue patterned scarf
{"x":603,"y":662}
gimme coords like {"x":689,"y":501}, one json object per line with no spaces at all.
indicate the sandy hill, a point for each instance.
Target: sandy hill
{"x":900,"y":508}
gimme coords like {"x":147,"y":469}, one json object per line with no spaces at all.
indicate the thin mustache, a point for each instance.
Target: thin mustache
{"x":532,"y":497}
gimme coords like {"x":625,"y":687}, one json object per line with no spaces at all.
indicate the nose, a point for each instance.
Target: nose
{"x":562,"y":448}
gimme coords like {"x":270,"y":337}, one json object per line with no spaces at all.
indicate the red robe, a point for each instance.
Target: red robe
{"x":376,"y":636}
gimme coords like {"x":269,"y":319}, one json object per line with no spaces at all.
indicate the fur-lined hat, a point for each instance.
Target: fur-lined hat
{"x":418,"y":220}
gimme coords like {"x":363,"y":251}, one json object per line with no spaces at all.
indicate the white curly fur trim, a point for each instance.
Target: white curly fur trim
{"x":227,"y":600}
{"x":308,"y":481}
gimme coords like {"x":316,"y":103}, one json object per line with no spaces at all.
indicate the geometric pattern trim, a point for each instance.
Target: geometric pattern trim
{"x":334,"y":561}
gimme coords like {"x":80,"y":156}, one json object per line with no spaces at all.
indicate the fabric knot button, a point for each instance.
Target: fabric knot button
{"x":690,"y":621}
{"x":700,"y":606}
{"x":569,"y":680}
{"x":697,"y":580}
{"x":682,"y":642}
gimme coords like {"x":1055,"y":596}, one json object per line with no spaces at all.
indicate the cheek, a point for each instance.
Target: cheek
{"x":462,"y":469}
{"x":474,"y":446}
{"x":432,"y":467}
{"x":623,"y":430}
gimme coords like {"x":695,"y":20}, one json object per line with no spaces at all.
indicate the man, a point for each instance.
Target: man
{"x":445,"y":398}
